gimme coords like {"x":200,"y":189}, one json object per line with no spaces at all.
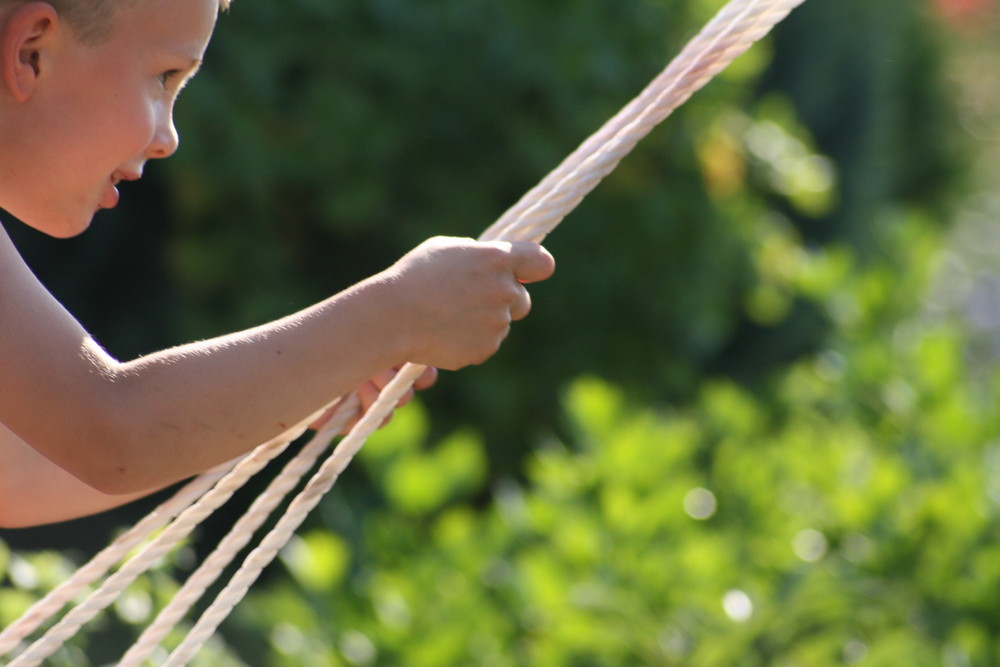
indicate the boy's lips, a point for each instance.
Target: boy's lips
{"x":111,"y":195}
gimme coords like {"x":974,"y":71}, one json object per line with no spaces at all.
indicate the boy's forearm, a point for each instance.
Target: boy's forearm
{"x":204,"y":403}
{"x":127,"y":427}
{"x":133,"y":428}
{"x":183,"y":410}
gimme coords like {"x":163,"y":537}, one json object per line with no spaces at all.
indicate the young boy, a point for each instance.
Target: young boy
{"x":87,"y":89}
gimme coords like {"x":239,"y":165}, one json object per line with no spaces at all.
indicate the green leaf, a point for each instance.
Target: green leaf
{"x":318,"y":560}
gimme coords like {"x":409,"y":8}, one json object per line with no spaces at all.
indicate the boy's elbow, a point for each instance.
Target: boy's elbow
{"x":110,"y":481}
{"x":114,"y":476}
{"x":109,"y":465}
{"x":10,"y":518}
{"x":16,"y":510}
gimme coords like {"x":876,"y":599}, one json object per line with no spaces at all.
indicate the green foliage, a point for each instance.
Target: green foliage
{"x":317,"y":560}
{"x":845,"y":515}
{"x":27,"y":577}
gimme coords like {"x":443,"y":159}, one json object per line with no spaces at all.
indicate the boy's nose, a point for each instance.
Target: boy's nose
{"x":165,"y":141}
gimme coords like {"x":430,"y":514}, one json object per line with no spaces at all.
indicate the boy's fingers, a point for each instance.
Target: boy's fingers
{"x":367,"y":394}
{"x":426,"y":380}
{"x":531,"y":262}
{"x":521,"y":306}
{"x":384,"y":378}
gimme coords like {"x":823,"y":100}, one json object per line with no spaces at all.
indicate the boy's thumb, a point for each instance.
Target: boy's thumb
{"x":531,"y":262}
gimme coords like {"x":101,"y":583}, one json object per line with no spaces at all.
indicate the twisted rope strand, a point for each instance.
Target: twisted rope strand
{"x":726,"y":36}
{"x":100,"y":564}
{"x":702,"y":59}
{"x":238,"y":537}
{"x":300,"y":507}
{"x":181,"y":527}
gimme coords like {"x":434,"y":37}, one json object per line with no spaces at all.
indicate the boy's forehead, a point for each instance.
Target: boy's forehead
{"x":180,"y":27}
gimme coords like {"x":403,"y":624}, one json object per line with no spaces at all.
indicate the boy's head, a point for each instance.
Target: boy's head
{"x":91,"y":20}
{"x":87,"y":89}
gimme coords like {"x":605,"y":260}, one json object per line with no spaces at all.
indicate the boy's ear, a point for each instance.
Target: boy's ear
{"x":24,"y":44}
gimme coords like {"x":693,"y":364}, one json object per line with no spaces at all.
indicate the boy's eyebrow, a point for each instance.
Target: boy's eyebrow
{"x":190,"y":71}
{"x":193,"y":68}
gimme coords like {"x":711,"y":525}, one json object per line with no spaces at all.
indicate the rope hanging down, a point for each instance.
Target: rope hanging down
{"x":733,"y":30}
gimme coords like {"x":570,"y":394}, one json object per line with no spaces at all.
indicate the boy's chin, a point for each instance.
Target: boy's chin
{"x":70,"y":233}
{"x":60,"y":228}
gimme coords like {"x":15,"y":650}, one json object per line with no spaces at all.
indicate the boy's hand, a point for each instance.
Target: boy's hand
{"x":456,"y":298}
{"x":452,"y":302}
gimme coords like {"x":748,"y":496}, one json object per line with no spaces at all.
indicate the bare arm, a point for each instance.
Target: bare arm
{"x":127,"y":427}
{"x":34,"y":491}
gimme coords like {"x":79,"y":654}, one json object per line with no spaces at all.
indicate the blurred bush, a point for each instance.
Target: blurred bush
{"x":845,"y":514}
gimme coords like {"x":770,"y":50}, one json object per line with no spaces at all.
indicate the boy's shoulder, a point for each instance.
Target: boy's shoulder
{"x":7,"y":250}
{"x":18,"y":284}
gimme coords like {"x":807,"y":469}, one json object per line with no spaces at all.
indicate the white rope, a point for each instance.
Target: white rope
{"x":180,"y":528}
{"x":734,"y":29}
{"x":307,"y":499}
{"x":238,"y":537}
{"x":48,"y":606}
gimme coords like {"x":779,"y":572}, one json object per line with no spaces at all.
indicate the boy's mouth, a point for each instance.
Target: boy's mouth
{"x":111,"y":195}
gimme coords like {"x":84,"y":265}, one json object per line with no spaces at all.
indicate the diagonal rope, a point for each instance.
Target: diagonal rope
{"x":238,"y":537}
{"x":733,"y":30}
{"x":100,"y":564}
{"x":297,"y":512}
{"x":180,"y":528}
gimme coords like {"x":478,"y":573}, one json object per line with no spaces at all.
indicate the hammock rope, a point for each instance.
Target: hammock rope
{"x":238,"y":537}
{"x":213,"y":490}
{"x":731,"y":32}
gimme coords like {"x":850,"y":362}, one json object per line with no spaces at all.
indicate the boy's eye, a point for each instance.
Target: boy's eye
{"x":173,"y":80}
{"x":170,"y":75}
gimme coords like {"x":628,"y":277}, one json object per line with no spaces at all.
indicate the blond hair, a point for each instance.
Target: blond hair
{"x":90,"y":20}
